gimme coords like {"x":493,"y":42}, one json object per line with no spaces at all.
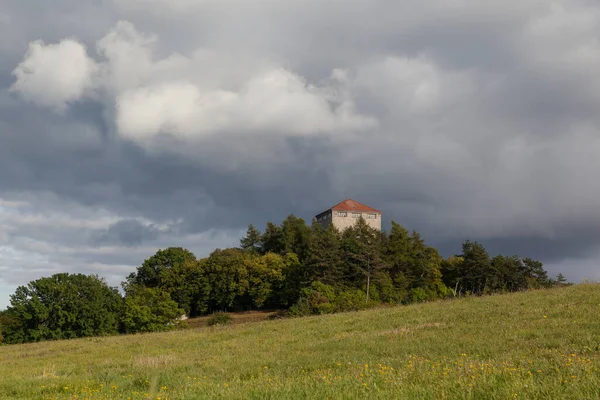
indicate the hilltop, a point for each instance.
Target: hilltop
{"x":536,"y":344}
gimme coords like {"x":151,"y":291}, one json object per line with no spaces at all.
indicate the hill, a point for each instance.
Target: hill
{"x":537,"y":344}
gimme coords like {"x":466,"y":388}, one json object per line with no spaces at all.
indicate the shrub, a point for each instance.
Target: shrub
{"x":323,"y":299}
{"x":418,"y":295}
{"x":219,"y":318}
{"x":150,"y":310}
{"x":318,"y":298}
{"x":352,"y":300}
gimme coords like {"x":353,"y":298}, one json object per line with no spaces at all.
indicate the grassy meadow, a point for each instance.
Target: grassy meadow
{"x":539,"y":344}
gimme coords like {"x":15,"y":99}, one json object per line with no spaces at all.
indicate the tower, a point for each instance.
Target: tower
{"x":345,"y":214}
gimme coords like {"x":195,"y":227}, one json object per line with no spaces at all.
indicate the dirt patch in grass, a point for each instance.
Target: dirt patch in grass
{"x":236,"y":318}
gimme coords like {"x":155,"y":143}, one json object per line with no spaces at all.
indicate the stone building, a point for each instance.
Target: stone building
{"x":346,"y":213}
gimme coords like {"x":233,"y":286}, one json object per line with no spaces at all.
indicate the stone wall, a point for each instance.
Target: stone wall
{"x":342,"y":222}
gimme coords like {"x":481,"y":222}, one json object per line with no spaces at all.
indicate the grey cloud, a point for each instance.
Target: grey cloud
{"x":502,"y":151}
{"x":128,"y":232}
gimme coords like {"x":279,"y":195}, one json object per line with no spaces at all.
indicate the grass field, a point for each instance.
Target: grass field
{"x":541,"y":344}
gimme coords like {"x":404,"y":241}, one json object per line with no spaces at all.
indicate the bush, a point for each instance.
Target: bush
{"x":318,"y":298}
{"x":219,"y":318}
{"x":150,"y":310}
{"x":420,"y":295}
{"x":352,"y":300}
{"x":323,"y":299}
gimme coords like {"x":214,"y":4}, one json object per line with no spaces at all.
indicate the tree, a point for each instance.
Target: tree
{"x":149,"y":310}
{"x":510,"y":273}
{"x":10,"y":328}
{"x":295,"y":279}
{"x":561,"y":280}
{"x":240,"y":280}
{"x":425,"y":268}
{"x":413,"y":266}
{"x":63,"y":306}
{"x":398,"y":255}
{"x":272,"y":239}
{"x":451,"y":269}
{"x":227,"y":277}
{"x":534,"y":273}
{"x":324,"y":261}
{"x":187,"y":285}
{"x":252,"y":241}
{"x":150,"y":272}
{"x":476,"y":267}
{"x":295,"y":237}
{"x":265,"y":276}
{"x":362,"y":250}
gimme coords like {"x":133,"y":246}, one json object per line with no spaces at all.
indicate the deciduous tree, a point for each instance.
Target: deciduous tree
{"x":62,"y":306}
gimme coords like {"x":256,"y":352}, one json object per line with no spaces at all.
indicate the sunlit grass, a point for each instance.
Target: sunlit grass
{"x":542,"y":344}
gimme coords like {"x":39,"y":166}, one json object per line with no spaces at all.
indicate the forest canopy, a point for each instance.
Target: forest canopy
{"x":304,"y":269}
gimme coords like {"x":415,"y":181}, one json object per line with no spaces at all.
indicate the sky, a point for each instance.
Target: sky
{"x":132,"y":125}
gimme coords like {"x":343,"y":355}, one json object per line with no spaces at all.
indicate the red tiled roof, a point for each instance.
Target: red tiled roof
{"x":351,"y":205}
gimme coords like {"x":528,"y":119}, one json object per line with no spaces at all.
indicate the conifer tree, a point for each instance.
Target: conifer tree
{"x":398,"y":255}
{"x":324,"y":259}
{"x":252,"y":241}
{"x":296,"y":237}
{"x":475,"y":266}
{"x":535,"y":274}
{"x":362,"y":251}
{"x":272,"y":239}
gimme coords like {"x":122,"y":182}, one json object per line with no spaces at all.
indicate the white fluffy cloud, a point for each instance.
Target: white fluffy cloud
{"x":277,"y":101}
{"x":54,"y":75}
{"x":171,"y":95}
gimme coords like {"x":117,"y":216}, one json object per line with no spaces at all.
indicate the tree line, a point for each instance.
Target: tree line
{"x":304,"y":269}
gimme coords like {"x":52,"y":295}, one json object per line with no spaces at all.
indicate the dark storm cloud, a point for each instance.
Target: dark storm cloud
{"x":127,"y":232}
{"x":462,"y":120}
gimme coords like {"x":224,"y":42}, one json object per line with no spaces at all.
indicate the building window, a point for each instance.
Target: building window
{"x":371,"y":216}
{"x":355,"y":215}
{"x":342,"y":214}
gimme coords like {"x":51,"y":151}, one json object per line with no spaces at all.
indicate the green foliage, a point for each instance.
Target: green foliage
{"x":272,"y":239}
{"x":149,"y":310}
{"x":62,"y":306}
{"x":240,"y":280}
{"x":219,"y":318}
{"x":476,"y":268}
{"x":295,"y":237}
{"x":507,"y":274}
{"x":413,"y":265}
{"x":149,"y":274}
{"x":352,"y":300}
{"x":561,"y":280}
{"x":252,"y":241}
{"x":325,"y":258}
{"x":188,"y":286}
{"x":420,"y":295}
{"x":363,"y":248}
{"x":296,"y":277}
{"x":176,"y":271}
{"x":311,"y":270}
{"x":535,"y":275}
{"x":320,"y":298}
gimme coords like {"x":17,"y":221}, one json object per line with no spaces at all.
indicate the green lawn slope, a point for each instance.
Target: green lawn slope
{"x":539,"y":344}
